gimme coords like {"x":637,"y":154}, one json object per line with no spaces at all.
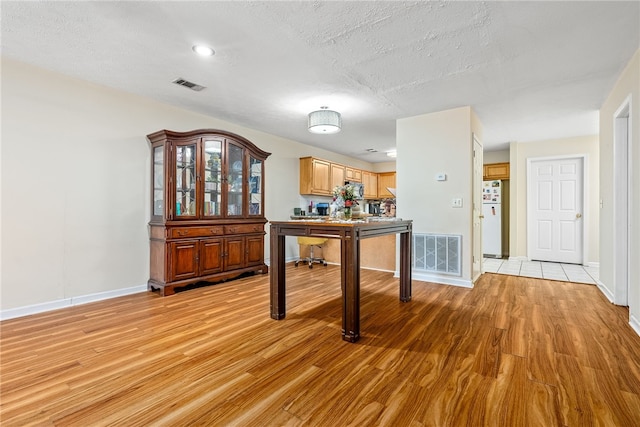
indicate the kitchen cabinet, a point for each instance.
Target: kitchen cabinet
{"x":319,"y":177}
{"x":207,"y":208}
{"x":338,"y":174}
{"x":370,"y":182}
{"x":386,"y":180}
{"x":315,"y":176}
{"x":496,"y":171}
{"x":354,"y":175}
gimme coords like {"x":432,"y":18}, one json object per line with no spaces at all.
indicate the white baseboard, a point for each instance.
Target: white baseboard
{"x":593,"y":264}
{"x":443,"y":280}
{"x":395,"y":273}
{"x":518,"y":258}
{"x":635,"y":324}
{"x":68,"y":302}
{"x":605,"y":291}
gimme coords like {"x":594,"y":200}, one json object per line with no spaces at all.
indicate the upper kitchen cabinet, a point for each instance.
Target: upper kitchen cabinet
{"x":315,"y":176}
{"x":319,"y":177}
{"x":354,"y":175}
{"x":338,"y":175}
{"x":370,"y":182}
{"x":496,"y":171}
{"x":385,"y":180}
{"x":207,"y":208}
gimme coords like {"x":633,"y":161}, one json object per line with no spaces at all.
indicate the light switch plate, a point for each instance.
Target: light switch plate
{"x":456,"y":203}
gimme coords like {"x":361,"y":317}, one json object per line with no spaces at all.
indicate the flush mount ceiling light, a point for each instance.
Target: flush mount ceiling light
{"x":325,"y":121}
{"x":203,"y":50}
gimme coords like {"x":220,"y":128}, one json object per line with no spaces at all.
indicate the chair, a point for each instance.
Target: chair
{"x":311,"y":242}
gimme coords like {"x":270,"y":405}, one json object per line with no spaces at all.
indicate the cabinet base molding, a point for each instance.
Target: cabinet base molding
{"x":165,"y":289}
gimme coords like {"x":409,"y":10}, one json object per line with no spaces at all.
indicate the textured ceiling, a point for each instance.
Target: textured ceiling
{"x":530,"y":70}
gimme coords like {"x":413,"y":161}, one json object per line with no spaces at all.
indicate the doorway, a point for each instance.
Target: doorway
{"x":622,"y":202}
{"x":555,"y":209}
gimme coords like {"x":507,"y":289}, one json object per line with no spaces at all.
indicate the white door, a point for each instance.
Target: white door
{"x":477,"y":209}
{"x":555,"y":214}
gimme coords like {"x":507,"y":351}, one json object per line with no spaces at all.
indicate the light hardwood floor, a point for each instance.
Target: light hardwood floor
{"x":513,"y":351}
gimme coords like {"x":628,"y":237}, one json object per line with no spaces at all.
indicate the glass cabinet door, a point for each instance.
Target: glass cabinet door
{"x":158,"y":181}
{"x":185,"y":180}
{"x":235,"y":156}
{"x":212,"y":177}
{"x":255,"y":186}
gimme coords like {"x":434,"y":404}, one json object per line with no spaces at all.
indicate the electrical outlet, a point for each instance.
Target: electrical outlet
{"x":456,"y":203}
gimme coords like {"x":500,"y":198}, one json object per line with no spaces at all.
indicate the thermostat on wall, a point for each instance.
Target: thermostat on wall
{"x":441,"y":177}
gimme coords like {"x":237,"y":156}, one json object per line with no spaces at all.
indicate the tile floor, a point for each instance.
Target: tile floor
{"x":542,"y":270}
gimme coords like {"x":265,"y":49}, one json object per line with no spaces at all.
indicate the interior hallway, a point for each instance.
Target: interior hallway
{"x":542,"y":270}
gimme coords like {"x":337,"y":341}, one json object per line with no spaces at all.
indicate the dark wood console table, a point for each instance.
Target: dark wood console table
{"x":350,"y":234}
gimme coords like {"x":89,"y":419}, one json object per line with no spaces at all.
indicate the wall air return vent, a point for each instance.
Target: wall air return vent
{"x":188,"y":84}
{"x":439,"y":253}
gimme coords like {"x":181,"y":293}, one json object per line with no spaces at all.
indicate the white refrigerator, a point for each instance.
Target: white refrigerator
{"x":492,"y":221}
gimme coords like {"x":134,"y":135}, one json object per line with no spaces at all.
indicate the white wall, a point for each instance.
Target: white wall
{"x":384,"y":167}
{"x":75,"y":184}
{"x":500,"y":156}
{"x":628,"y":85}
{"x":520,"y":152}
{"x":430,"y":144}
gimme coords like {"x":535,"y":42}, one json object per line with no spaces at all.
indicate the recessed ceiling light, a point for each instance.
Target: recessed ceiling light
{"x":203,"y":50}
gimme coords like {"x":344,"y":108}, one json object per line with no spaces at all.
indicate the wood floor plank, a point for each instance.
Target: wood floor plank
{"x":508,"y":393}
{"x":574,"y":395}
{"x":510,"y":351}
{"x":515,"y":338}
{"x":541,"y":362}
{"x":542,"y":405}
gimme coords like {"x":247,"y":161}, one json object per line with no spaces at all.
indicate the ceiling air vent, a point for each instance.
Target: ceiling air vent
{"x":188,"y":84}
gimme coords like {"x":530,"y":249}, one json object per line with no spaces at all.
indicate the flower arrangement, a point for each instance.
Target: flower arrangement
{"x":344,"y":196}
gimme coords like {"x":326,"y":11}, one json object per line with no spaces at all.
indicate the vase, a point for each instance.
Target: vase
{"x":347,"y":213}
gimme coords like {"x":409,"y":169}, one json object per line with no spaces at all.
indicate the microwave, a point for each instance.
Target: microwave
{"x":358,"y":189}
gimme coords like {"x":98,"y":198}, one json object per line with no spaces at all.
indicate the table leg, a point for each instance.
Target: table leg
{"x":405,"y":266}
{"x":350,"y":281}
{"x":277,"y":279}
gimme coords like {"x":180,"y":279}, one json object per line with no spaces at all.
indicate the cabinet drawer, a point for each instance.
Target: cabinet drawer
{"x":181,"y":232}
{"x":243,"y":228}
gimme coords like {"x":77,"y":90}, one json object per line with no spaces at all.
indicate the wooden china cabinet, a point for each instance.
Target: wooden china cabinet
{"x":207,"y":208}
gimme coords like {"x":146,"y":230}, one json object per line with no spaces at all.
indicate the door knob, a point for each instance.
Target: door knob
{"x":578,"y":215}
